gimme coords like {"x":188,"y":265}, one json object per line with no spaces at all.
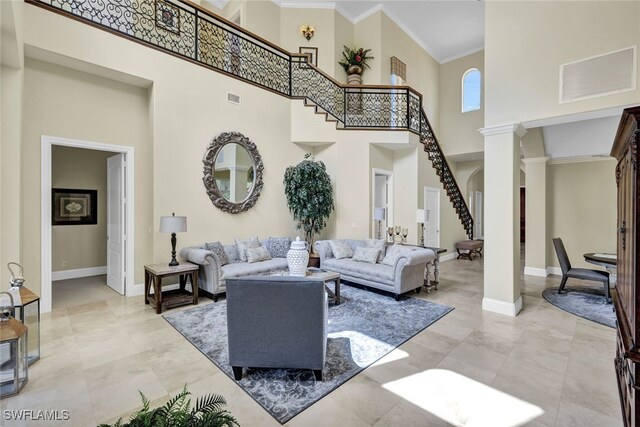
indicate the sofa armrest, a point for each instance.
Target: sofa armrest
{"x":324,"y":250}
{"x":210,"y":267}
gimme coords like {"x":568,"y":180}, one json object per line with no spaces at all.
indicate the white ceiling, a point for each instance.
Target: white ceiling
{"x":584,"y":138}
{"x":447,"y":29}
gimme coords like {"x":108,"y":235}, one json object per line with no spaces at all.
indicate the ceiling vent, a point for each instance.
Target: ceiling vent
{"x":606,"y":74}
{"x":233,"y":98}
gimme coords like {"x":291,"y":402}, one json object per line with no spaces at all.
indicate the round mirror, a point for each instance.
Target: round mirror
{"x":233,"y":172}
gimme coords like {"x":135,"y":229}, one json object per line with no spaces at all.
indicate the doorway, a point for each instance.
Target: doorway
{"x":118,"y":219}
{"x":523,"y":197}
{"x":382,"y":202}
{"x":432,"y":217}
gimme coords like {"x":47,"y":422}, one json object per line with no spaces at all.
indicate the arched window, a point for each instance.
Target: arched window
{"x":471,"y":88}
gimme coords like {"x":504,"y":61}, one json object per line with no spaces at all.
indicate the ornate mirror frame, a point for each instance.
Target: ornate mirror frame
{"x":209,"y":181}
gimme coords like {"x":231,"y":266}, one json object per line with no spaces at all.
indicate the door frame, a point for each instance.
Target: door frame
{"x":389,"y":218}
{"x":437,"y":191}
{"x":45,"y":210}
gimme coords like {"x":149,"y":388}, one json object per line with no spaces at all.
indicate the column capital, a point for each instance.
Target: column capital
{"x":516,"y":128}
{"x":531,"y":160}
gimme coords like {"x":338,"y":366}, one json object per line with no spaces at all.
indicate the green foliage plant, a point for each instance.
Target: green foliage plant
{"x":208,"y":412}
{"x":355,"y":56}
{"x":309,"y":195}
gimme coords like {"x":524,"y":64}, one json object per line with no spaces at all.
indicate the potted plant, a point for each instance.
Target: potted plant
{"x":309,"y":195}
{"x":354,"y":61}
{"x":177,"y":412}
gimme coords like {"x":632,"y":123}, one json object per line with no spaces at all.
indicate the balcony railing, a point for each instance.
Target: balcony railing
{"x":184,"y":29}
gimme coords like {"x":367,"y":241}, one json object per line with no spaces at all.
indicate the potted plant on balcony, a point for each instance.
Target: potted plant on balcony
{"x":354,"y":61}
{"x":310,"y":196}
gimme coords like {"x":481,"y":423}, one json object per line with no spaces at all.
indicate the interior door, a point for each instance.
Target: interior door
{"x":432,"y":212}
{"x":116,"y":227}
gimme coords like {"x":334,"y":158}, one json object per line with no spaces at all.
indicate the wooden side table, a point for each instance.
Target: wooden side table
{"x":153,"y":275}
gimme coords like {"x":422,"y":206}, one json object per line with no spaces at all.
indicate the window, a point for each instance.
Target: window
{"x":471,"y":88}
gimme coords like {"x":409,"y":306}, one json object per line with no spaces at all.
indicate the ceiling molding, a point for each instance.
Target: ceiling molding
{"x":365,"y":14}
{"x":578,"y":117}
{"x":532,"y":160}
{"x":306,"y":5}
{"x":408,"y":32}
{"x":580,"y":159}
{"x":462,"y":55}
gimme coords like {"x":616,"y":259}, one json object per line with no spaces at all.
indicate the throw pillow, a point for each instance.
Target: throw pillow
{"x":279,"y":246}
{"x":378,"y":244}
{"x":393,"y":253}
{"x":258,"y":254}
{"x":218,"y":250}
{"x":243,"y":245}
{"x":340,"y":249}
{"x":363,"y":254}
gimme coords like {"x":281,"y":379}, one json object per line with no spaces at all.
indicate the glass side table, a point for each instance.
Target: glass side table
{"x":28,"y":312}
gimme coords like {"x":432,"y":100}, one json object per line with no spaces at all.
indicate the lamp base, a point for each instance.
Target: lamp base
{"x":173,"y":262}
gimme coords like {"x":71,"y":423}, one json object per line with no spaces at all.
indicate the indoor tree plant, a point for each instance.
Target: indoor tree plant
{"x":177,"y":412}
{"x":309,"y":195}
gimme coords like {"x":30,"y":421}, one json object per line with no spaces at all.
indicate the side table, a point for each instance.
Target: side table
{"x":153,"y":275}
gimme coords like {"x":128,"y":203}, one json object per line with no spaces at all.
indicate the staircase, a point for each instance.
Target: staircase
{"x":208,"y":40}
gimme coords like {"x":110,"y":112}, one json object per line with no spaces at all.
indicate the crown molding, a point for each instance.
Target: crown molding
{"x":462,"y":55}
{"x":306,"y":5}
{"x":516,"y":128}
{"x":365,"y":14}
{"x":580,"y":159}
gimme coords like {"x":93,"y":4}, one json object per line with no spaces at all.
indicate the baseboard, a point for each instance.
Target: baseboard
{"x":502,"y":307}
{"x":448,"y":257}
{"x":534,"y":271}
{"x":554,"y":270}
{"x":80,"y":272}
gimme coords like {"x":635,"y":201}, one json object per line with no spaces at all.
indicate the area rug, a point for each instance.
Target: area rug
{"x":588,"y":303}
{"x":362,"y":329}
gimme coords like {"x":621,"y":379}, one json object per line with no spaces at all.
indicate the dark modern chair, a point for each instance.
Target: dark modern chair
{"x":578,"y":273}
{"x":277,"y":322}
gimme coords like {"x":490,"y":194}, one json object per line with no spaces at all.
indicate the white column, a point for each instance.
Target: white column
{"x":502,"y":218}
{"x":536,"y":217}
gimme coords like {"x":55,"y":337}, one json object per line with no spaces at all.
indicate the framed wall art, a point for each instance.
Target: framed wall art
{"x":167,"y":16}
{"x":313,"y":51}
{"x":74,"y":207}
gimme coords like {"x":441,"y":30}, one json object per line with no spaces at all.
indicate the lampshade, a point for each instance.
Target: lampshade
{"x":173,"y":224}
{"x":420,"y":216}
{"x":378,"y":214}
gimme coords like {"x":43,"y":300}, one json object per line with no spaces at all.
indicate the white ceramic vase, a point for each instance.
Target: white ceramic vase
{"x":298,"y":258}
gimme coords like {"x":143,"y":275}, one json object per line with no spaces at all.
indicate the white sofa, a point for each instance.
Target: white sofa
{"x":408,"y":272}
{"x":212,"y":275}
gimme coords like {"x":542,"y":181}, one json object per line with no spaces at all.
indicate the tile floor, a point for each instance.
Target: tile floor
{"x":544,"y":367}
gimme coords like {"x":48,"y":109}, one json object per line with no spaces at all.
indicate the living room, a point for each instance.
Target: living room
{"x":85,"y":84}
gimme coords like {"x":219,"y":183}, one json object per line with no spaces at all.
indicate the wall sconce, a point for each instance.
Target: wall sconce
{"x":307,"y":31}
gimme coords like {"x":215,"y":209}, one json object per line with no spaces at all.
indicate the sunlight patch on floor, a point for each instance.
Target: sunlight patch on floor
{"x":365,"y":349}
{"x":462,"y":401}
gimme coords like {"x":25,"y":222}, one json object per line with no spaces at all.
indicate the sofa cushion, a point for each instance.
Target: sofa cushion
{"x":239,"y":269}
{"x":258,"y":254}
{"x":395,"y":252}
{"x":243,"y":245}
{"x":378,"y":244}
{"x":340,"y":249}
{"x":232,"y":252}
{"x":218,"y":250}
{"x":363,"y":254}
{"x":372,"y":272}
{"x":279,"y":246}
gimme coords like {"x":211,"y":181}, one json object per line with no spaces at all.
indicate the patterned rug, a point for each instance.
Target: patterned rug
{"x":362,"y":329}
{"x":587,"y":303}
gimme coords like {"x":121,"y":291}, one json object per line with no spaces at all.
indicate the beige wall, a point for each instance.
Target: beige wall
{"x":367,"y":35}
{"x":459,"y":131}
{"x":581,"y":203}
{"x":80,"y":246}
{"x":523,"y":56}
{"x":323,"y":21}
{"x":63,"y":102}
{"x":343,"y":36}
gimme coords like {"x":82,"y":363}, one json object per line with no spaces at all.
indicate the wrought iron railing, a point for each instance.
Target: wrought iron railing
{"x":184,"y":29}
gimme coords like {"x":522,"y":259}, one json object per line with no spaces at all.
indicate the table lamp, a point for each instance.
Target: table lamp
{"x":378,"y":215}
{"x":173,"y":224}
{"x":421,"y":219}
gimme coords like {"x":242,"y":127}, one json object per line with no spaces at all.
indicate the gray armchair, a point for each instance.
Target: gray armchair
{"x":276,"y":322}
{"x":578,"y":273}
